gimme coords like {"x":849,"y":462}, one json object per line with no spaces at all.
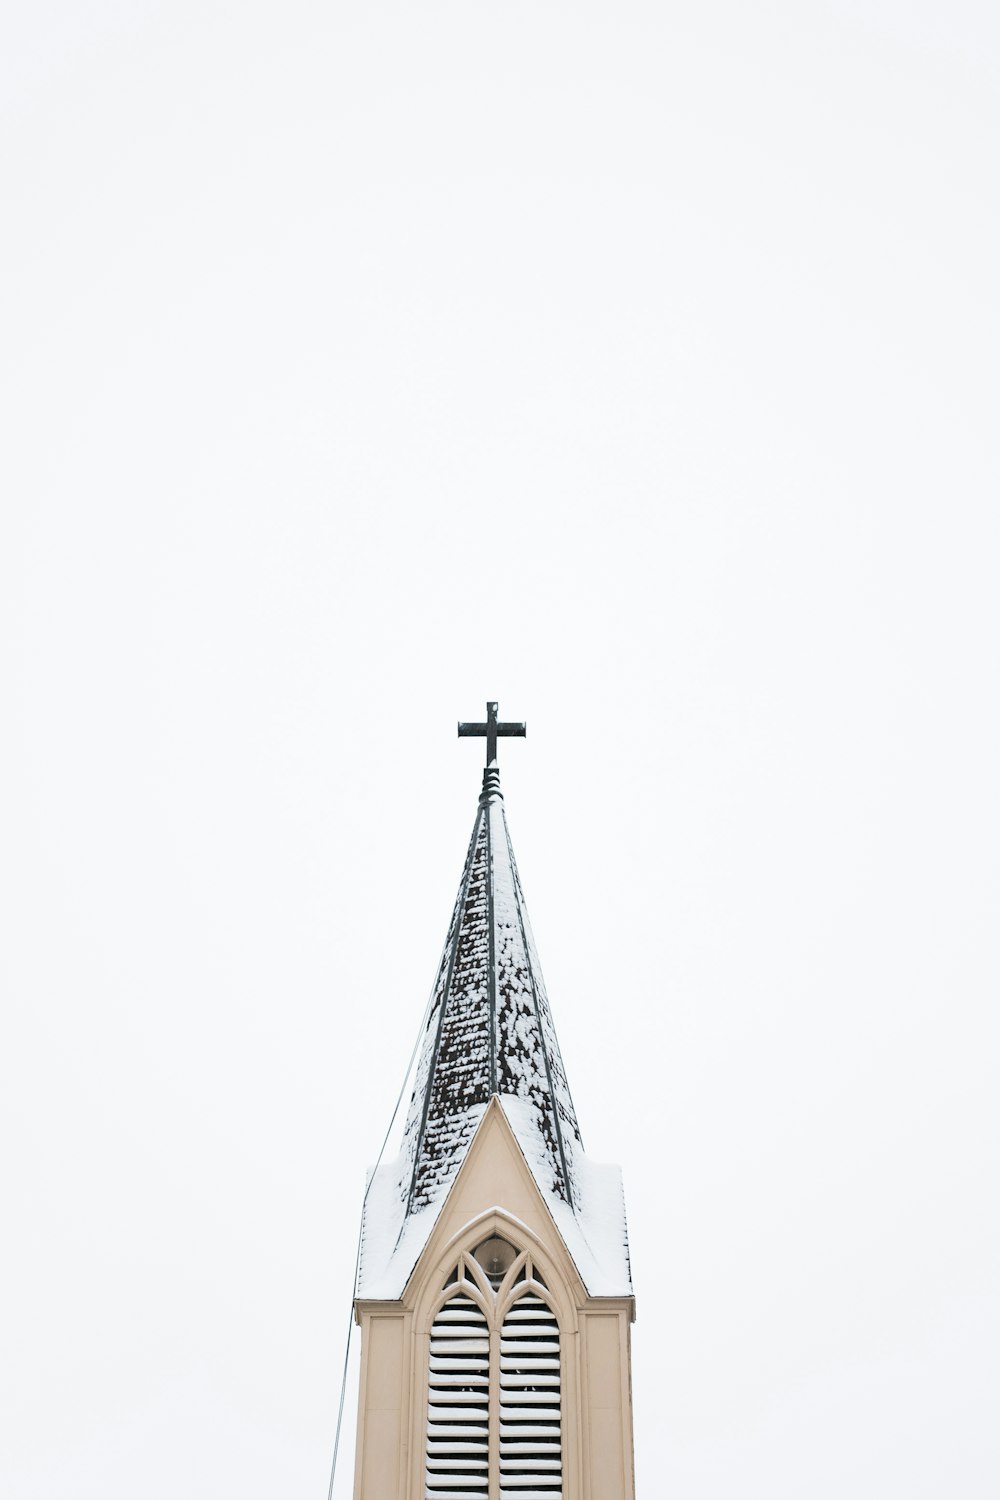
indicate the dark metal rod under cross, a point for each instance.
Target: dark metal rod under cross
{"x":492,"y":730}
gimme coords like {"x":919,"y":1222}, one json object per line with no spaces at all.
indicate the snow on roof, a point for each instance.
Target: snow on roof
{"x":490,"y":1031}
{"x":594,"y":1232}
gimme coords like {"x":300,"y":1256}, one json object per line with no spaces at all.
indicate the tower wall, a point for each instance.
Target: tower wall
{"x":495,"y":1194}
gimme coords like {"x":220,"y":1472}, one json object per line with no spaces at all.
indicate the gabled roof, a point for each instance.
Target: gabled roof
{"x":489,"y":1032}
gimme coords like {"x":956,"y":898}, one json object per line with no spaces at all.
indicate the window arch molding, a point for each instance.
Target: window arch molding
{"x":459,"y":1250}
{"x":496,"y":1378}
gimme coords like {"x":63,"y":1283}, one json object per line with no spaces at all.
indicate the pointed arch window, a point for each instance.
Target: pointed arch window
{"x":458,"y":1448}
{"x":494,"y":1407}
{"x":530,"y":1399}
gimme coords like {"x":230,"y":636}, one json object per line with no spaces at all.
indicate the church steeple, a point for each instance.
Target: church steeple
{"x":494,"y":1292}
{"x":489,"y":1034}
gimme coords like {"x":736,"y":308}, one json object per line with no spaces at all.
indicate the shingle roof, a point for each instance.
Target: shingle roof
{"x":489,"y":1032}
{"x":490,"y":1029}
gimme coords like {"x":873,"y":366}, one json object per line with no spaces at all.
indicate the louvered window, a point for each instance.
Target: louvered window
{"x":494,"y":1417}
{"x":458,"y":1407}
{"x":530,"y":1406}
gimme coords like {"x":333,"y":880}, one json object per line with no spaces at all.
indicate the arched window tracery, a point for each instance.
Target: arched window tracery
{"x":494,"y":1411}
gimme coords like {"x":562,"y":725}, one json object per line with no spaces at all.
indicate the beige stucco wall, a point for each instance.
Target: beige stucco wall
{"x":495,"y":1193}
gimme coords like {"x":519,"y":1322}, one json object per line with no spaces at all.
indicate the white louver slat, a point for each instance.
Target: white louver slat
{"x":458,"y":1405}
{"x":530,"y":1403}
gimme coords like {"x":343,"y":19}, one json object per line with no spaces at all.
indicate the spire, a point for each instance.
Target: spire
{"x":489,"y":1035}
{"x":490,"y":1029}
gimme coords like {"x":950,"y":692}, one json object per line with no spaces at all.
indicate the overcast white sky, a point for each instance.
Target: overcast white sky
{"x":636,"y":365}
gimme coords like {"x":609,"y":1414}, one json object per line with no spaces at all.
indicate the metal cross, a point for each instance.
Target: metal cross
{"x":491,"y":731}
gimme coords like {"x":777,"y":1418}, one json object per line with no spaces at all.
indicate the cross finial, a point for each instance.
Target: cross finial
{"x":491,"y":731}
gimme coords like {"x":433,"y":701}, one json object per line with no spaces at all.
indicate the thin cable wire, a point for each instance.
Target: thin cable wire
{"x":357,"y":1259}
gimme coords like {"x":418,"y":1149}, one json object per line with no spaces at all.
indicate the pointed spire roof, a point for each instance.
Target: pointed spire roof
{"x":489,"y":1032}
{"x":490,"y":1029}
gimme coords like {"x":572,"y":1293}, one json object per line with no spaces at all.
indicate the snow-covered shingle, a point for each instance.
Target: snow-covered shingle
{"x":489,"y":1032}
